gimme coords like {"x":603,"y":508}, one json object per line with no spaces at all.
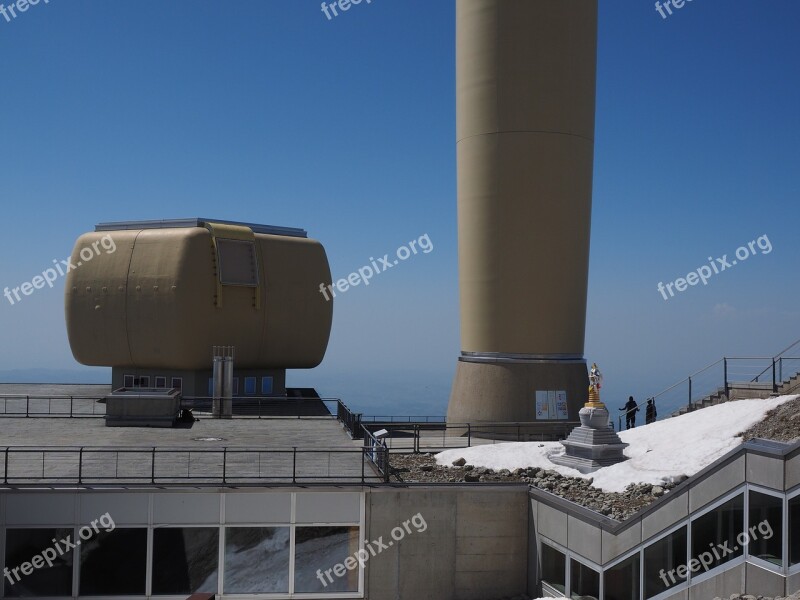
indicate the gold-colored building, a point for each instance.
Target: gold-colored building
{"x":155,"y":297}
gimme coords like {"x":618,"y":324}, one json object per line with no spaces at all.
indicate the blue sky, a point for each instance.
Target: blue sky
{"x":266,"y":111}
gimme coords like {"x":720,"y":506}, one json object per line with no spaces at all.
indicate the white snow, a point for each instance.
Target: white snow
{"x":657,"y":452}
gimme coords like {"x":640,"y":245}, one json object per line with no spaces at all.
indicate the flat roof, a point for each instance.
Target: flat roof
{"x":199,"y":222}
{"x":59,"y":450}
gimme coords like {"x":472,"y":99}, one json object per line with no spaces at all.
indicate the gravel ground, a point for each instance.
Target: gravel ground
{"x":795,"y":596}
{"x":781,"y":424}
{"x":422,"y":468}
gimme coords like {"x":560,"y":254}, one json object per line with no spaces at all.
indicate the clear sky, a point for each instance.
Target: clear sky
{"x":267,"y":111}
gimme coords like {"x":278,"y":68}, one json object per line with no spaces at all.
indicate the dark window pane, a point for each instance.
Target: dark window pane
{"x":584,"y":582}
{"x":114,"y":563}
{"x":256,"y":560}
{"x":661,"y":562}
{"x":185,"y":560}
{"x":22,"y":545}
{"x":554,"y":568}
{"x":766,"y":516}
{"x":794,"y":530}
{"x":622,"y":580}
{"x":714,"y":535}
{"x":320,"y":553}
{"x":250,"y":385}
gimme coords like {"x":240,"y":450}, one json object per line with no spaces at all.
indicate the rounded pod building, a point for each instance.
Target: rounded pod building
{"x":151,"y":299}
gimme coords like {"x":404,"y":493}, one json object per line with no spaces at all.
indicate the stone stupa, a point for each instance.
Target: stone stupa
{"x":594,"y":444}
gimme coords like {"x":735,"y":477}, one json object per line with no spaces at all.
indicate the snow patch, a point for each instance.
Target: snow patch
{"x":658,"y":453}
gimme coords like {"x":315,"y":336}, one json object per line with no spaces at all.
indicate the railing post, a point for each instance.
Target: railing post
{"x":690,"y":394}
{"x":71,"y":409}
{"x":725,"y":368}
{"x":80,"y":466}
{"x":27,"y":406}
{"x":469,"y":435}
{"x":363,"y":464}
{"x":5,"y":470}
{"x":294,"y":464}
{"x":153,"y":466}
{"x":774,"y":382}
{"x":225,"y":464}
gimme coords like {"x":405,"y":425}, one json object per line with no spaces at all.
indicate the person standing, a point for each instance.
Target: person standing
{"x":650,"y":413}
{"x":630,"y":408}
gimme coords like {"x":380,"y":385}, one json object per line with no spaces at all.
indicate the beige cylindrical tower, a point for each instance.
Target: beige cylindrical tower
{"x":525,"y":83}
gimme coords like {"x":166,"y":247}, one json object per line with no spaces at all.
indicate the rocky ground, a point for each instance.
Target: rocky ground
{"x":782,"y":424}
{"x":422,"y":468}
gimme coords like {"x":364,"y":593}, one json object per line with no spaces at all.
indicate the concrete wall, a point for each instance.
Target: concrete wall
{"x":475,"y":547}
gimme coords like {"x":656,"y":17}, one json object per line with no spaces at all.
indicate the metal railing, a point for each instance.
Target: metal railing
{"x":377,"y":453}
{"x":13,"y":405}
{"x":739,"y":374}
{"x":222,"y":465}
{"x":432,"y":437}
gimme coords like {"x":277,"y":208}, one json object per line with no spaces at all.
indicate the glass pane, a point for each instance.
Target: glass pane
{"x":250,"y":385}
{"x":237,"y":262}
{"x":714,"y":535}
{"x":185,"y":560}
{"x":320,"y":554}
{"x":661,"y":562}
{"x":794,"y":530}
{"x":27,"y":548}
{"x":622,"y":580}
{"x":114,"y":563}
{"x":266,"y":385}
{"x":554,"y":568}
{"x":584,"y":582}
{"x":256,"y":560}
{"x":766,"y":527}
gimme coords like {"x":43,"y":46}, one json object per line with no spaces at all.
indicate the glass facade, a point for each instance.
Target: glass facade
{"x":333,"y":547}
{"x":714,"y":535}
{"x":621,"y":582}
{"x":584,"y":582}
{"x":665,"y":563}
{"x":266,"y":386}
{"x":257,"y":560}
{"x":794,"y":531}
{"x":554,"y":568}
{"x":185,"y":560}
{"x":114,"y":563}
{"x":26,"y":578}
{"x":766,"y":527}
{"x":250,"y":386}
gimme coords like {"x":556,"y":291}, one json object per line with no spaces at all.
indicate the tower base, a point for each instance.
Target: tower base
{"x":492,"y":388}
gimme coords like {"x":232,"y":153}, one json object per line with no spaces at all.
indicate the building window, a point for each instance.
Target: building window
{"x":144,"y":381}
{"x":235,"y":386}
{"x":714,"y":534}
{"x":621,"y":582}
{"x":114,"y":563}
{"x":584,"y":581}
{"x":128,"y":381}
{"x":257,"y":560}
{"x":665,"y":563}
{"x":326,"y":548}
{"x":794,"y":531}
{"x":250,"y":386}
{"x":554,"y":568}
{"x":177,"y":383}
{"x":22,"y":545}
{"x":161,"y":382}
{"x":185,"y":560}
{"x":266,"y":386}
{"x":238,"y":264}
{"x":766,"y":528}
